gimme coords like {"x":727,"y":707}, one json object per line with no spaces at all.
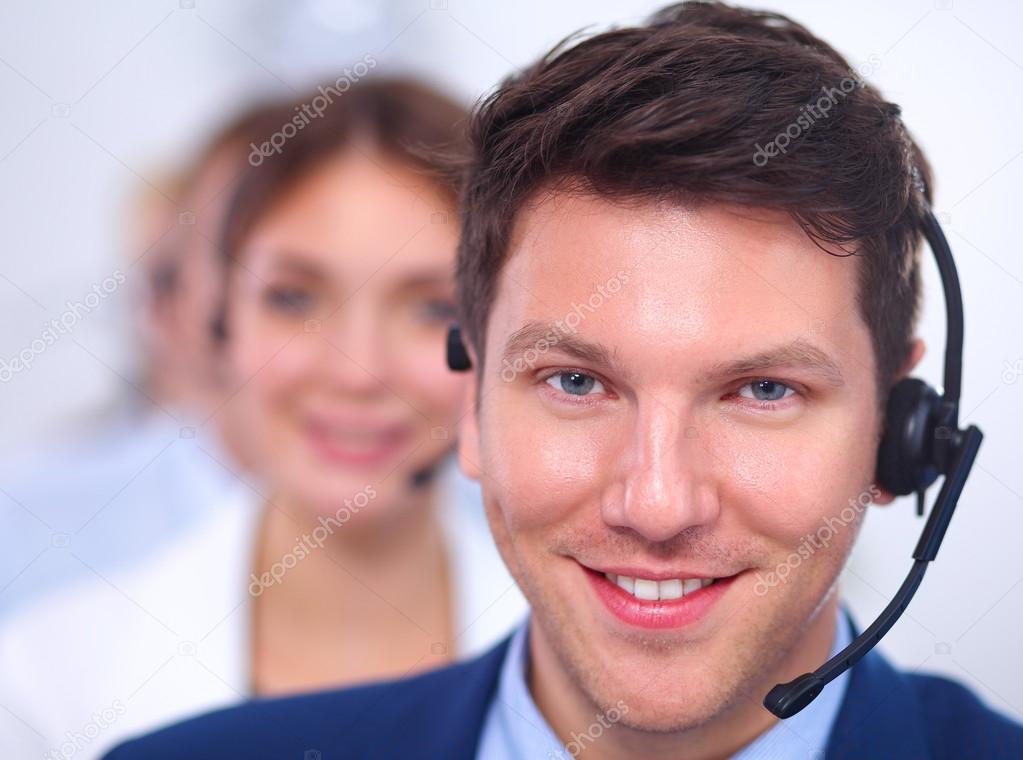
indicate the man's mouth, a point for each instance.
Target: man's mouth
{"x":657,"y":600}
{"x":652,"y":590}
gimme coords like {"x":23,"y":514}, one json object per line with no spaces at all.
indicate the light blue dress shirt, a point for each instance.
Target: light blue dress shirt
{"x":514,"y":729}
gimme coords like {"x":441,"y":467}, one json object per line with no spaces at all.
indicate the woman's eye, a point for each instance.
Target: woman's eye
{"x":437,"y":311}
{"x":575,"y":383}
{"x":289,"y":300}
{"x":766,"y":390}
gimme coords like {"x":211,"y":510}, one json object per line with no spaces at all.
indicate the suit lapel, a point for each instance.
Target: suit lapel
{"x":880,"y":715}
{"x":448,"y":722}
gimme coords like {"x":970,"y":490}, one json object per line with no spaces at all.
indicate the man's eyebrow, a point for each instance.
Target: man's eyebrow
{"x":532,"y":335}
{"x":798,"y":353}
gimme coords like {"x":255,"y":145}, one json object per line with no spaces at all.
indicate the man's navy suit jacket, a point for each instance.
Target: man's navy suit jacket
{"x":440,"y":714}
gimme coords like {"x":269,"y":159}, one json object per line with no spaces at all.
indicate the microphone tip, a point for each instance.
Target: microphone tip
{"x":786,"y":699}
{"x":422,"y":477}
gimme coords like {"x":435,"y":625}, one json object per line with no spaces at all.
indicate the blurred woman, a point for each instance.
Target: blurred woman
{"x":340,"y":289}
{"x":358,"y":553}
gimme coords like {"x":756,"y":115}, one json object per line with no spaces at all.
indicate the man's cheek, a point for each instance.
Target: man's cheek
{"x":788,"y":507}
{"x":762,"y":478}
{"x":544,"y":474}
{"x":752,"y":460}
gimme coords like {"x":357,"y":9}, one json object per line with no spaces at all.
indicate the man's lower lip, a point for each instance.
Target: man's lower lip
{"x":660,"y":615}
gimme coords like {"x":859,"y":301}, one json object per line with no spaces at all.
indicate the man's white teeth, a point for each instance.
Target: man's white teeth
{"x":651,"y":591}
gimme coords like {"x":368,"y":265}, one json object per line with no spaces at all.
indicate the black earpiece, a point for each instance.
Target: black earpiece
{"x":905,"y":457}
{"x":457,"y":354}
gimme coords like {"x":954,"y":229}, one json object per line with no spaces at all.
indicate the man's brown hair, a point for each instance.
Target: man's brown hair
{"x":706,"y":103}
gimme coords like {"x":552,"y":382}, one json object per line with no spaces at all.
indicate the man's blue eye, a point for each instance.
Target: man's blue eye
{"x":575,"y":383}
{"x":768,"y":390}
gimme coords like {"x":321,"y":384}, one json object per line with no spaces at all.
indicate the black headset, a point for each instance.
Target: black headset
{"x":921,"y":440}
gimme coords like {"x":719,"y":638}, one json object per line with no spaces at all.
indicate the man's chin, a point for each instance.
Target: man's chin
{"x":669,"y":683}
{"x":664,"y":699}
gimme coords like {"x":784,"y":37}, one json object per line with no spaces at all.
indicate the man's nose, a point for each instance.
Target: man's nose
{"x":665,"y":484}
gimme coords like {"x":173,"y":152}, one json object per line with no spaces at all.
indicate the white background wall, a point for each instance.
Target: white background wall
{"x":99,"y":97}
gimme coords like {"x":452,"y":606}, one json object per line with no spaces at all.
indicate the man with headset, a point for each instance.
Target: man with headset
{"x":689,"y":278}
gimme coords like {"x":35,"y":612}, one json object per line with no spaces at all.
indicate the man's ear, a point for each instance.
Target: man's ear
{"x":469,"y":429}
{"x":916,"y":353}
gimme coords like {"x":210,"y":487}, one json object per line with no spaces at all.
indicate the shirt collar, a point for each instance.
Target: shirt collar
{"x":514,"y":727}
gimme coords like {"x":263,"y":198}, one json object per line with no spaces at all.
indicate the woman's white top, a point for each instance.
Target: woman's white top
{"x":112,"y":655}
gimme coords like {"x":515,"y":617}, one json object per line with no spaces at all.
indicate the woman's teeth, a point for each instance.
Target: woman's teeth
{"x":359,"y":439}
{"x":652,"y":591}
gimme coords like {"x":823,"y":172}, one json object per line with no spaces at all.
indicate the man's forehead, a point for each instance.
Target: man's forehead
{"x":569,"y":245}
{"x":746,"y":282}
{"x":564,"y":244}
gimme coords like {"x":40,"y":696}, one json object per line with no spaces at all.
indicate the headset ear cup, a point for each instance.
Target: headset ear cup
{"x":457,"y":355}
{"x":904,"y":457}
